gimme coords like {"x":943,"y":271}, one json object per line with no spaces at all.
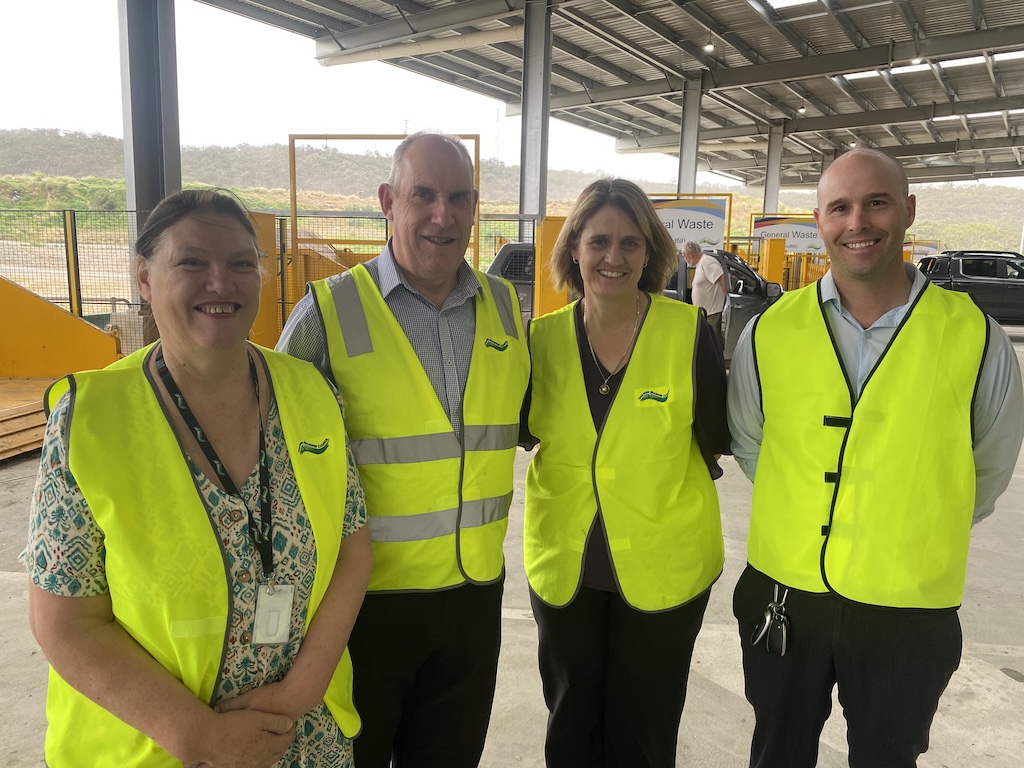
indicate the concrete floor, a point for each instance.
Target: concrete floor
{"x":979,"y":722}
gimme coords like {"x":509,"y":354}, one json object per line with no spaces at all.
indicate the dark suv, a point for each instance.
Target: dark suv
{"x":994,"y":279}
{"x":749,"y":293}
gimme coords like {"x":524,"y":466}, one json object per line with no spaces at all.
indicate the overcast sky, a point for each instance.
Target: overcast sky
{"x":241,"y":81}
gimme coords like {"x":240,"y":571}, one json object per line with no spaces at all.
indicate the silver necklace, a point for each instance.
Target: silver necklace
{"x":604,"y":389}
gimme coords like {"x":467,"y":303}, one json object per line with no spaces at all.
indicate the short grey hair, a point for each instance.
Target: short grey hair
{"x":396,"y":160}
{"x":692,"y":246}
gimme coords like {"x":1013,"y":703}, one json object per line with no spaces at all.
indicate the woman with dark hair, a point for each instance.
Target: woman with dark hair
{"x":197,"y":552}
{"x":623,"y":536}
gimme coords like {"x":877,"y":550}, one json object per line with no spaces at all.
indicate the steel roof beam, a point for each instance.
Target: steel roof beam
{"x":843,"y":85}
{"x":594,"y":61}
{"x":344,"y":9}
{"x":642,"y":89}
{"x":665,"y":32}
{"x":910,"y":18}
{"x":993,"y":74}
{"x":978,"y":14}
{"x":306,"y":24}
{"x":890,"y":79}
{"x":417,"y":24}
{"x":839,"y":122}
{"x":769,"y":14}
{"x":606,"y":35}
{"x":445,"y":75}
{"x":875,"y":57}
{"x":943,"y":81}
{"x":714,"y":27}
{"x":853,"y":34}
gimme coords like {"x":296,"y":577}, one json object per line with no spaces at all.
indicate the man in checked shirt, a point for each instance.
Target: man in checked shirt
{"x":431,"y":361}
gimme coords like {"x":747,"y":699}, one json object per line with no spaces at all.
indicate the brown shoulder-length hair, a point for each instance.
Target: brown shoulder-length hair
{"x":177,"y":205}
{"x":662,"y":259}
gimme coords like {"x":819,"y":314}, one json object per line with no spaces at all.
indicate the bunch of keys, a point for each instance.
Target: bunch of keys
{"x":774,"y":627}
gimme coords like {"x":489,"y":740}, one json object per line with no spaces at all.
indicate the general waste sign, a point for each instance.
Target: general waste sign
{"x":702,"y":219}
{"x":799,"y":232}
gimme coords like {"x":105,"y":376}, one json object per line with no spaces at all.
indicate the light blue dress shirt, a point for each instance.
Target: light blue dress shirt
{"x":998,"y":405}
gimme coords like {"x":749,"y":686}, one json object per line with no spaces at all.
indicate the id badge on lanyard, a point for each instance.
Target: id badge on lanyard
{"x":273,"y":614}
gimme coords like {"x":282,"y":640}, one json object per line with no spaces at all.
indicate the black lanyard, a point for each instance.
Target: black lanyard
{"x":260,"y":534}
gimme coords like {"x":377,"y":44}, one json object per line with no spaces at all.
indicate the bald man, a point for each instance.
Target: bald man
{"x":879,"y":417}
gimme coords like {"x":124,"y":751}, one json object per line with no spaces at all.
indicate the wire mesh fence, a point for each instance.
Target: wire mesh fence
{"x":79,"y":261}
{"x":82,"y":261}
{"x":34,"y":254}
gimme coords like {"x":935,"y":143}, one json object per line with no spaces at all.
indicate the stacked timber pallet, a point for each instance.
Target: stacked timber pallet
{"x":22,"y":420}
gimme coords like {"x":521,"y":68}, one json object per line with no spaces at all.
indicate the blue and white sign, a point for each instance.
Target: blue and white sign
{"x":702,"y":219}
{"x":799,"y":232}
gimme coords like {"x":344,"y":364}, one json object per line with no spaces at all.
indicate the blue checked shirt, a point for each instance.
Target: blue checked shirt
{"x":442,"y":338}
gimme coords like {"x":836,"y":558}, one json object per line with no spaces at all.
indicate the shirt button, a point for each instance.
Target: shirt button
{"x":246,"y":637}
{"x":235,"y":515}
{"x":245,"y":577}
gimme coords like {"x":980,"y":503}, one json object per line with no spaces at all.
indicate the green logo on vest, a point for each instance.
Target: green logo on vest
{"x":652,"y":395}
{"x":495,"y":345}
{"x":305,"y":447}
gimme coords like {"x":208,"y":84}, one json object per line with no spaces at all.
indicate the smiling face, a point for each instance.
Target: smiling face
{"x":862,"y":215}
{"x":611,"y":253}
{"x":203,"y":283}
{"x":431,"y":210}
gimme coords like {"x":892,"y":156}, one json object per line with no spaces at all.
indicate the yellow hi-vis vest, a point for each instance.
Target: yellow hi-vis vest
{"x":165,"y":566}
{"x":438,"y":510}
{"x":643,"y":472}
{"x":870,"y":499}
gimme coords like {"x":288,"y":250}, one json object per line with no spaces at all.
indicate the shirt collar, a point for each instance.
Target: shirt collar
{"x":830,"y":295}
{"x":390,"y":276}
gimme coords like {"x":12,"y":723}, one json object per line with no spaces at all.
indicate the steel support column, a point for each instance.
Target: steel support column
{"x":533,"y":163}
{"x":773,"y":170}
{"x":689,"y":137}
{"x":149,"y":98}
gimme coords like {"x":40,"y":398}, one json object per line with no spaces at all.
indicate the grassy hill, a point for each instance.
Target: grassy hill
{"x":55,"y":170}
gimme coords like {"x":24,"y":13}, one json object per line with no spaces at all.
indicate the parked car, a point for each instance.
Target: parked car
{"x":994,"y":279}
{"x":749,"y":293}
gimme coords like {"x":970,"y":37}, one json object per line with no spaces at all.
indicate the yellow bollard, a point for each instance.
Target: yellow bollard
{"x":545,"y":297}
{"x":773,"y":260}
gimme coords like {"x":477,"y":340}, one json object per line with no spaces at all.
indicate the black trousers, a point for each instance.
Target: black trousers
{"x":891,"y":666}
{"x":614,"y":679}
{"x":424,"y":665}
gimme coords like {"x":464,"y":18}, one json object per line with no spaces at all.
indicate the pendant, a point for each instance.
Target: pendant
{"x":604,"y":389}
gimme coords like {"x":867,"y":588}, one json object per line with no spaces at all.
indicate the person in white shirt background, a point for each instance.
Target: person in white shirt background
{"x":708,"y":287}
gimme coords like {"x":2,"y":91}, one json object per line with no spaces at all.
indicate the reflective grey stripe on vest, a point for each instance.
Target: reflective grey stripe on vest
{"x":406,"y":450}
{"x":356,"y":331}
{"x":492,"y":437}
{"x":435,"y":447}
{"x":351,"y":316}
{"x":503,"y":303}
{"x":432,"y":525}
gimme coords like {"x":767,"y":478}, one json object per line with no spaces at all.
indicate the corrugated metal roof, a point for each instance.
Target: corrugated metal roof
{"x":617,"y":67}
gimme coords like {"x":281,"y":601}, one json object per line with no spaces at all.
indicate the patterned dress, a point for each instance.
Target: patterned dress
{"x":66,"y":553}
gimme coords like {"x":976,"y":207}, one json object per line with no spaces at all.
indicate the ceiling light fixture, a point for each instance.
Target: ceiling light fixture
{"x":853,"y":144}
{"x":915,"y":61}
{"x":803,"y":109}
{"x":709,"y":46}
